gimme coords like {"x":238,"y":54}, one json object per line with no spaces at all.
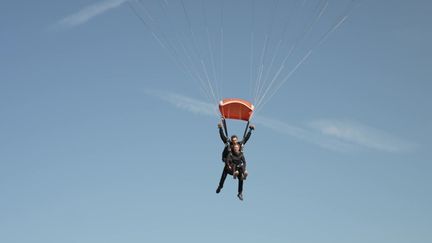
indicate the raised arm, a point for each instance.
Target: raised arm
{"x":249,"y":133}
{"x":222,"y":134}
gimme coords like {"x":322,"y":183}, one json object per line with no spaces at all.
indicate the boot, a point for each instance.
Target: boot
{"x":218,"y":189}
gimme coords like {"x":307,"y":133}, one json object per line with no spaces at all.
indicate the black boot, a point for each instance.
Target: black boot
{"x":218,"y":189}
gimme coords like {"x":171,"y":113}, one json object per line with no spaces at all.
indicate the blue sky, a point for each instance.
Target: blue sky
{"x":105,"y":138}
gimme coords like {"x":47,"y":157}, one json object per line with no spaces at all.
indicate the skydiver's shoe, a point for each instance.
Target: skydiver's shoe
{"x":240,"y":196}
{"x":218,"y":189}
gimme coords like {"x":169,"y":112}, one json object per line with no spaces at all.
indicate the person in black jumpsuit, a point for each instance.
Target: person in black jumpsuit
{"x":235,"y":164}
{"x":234,"y":140}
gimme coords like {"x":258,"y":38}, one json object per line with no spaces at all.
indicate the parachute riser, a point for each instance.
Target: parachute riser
{"x":245,"y":131}
{"x":225,"y":127}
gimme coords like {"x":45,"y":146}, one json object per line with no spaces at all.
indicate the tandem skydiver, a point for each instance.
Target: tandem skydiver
{"x":234,"y":140}
{"x":235,"y":163}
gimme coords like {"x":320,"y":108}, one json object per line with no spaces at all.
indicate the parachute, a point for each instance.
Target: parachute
{"x":235,"y":108}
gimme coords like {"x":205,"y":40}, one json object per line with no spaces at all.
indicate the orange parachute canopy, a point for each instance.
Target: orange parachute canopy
{"x":234,"y":108}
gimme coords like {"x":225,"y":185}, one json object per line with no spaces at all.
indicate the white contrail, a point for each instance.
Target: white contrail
{"x":341,"y":136}
{"x":89,"y":12}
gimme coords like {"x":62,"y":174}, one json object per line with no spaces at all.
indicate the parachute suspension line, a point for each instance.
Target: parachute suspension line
{"x":252,"y":37}
{"x":270,"y":29}
{"x":251,"y":63}
{"x":169,"y":47}
{"x":274,"y":55}
{"x":197,"y":52}
{"x":213,"y":66}
{"x":285,"y":79}
{"x":265,"y":48}
{"x":202,"y":61}
{"x":221,"y":44}
{"x":252,"y":47}
{"x":144,"y":9}
{"x":206,"y":94}
{"x":192,"y":35}
{"x":197,"y":72}
{"x":209,"y":82}
{"x":295,"y":44}
{"x":260,"y":70}
{"x":212,"y":56}
{"x":192,"y":65}
{"x":259,"y":67}
{"x":166,"y":45}
{"x":282,"y":65}
{"x":341,"y":20}
{"x":271,"y":64}
{"x":281,"y":41}
{"x":334,"y":27}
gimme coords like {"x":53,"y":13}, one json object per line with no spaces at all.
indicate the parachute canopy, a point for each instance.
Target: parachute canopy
{"x":234,"y":108}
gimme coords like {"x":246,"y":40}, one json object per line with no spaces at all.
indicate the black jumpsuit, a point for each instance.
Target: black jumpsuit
{"x":239,"y":162}
{"x":226,"y":140}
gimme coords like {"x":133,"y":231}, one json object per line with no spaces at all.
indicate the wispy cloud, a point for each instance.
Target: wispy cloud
{"x":89,"y":12}
{"x":336,"y":135}
{"x":304,"y":134}
{"x":186,"y":103}
{"x":356,"y":133}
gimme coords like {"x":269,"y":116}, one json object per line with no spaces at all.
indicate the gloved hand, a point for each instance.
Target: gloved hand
{"x":235,"y":174}
{"x":252,"y":127}
{"x":219,"y":125}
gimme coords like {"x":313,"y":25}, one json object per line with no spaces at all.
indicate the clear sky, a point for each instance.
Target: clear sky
{"x":104,"y":138}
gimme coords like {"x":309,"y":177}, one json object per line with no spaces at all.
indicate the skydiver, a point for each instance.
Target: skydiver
{"x":235,"y":164}
{"x":234,"y":140}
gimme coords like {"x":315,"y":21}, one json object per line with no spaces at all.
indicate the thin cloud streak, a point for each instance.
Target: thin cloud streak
{"x":334,"y":135}
{"x":365,"y":136}
{"x":304,"y":134}
{"x":186,"y":103}
{"x":89,"y":12}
